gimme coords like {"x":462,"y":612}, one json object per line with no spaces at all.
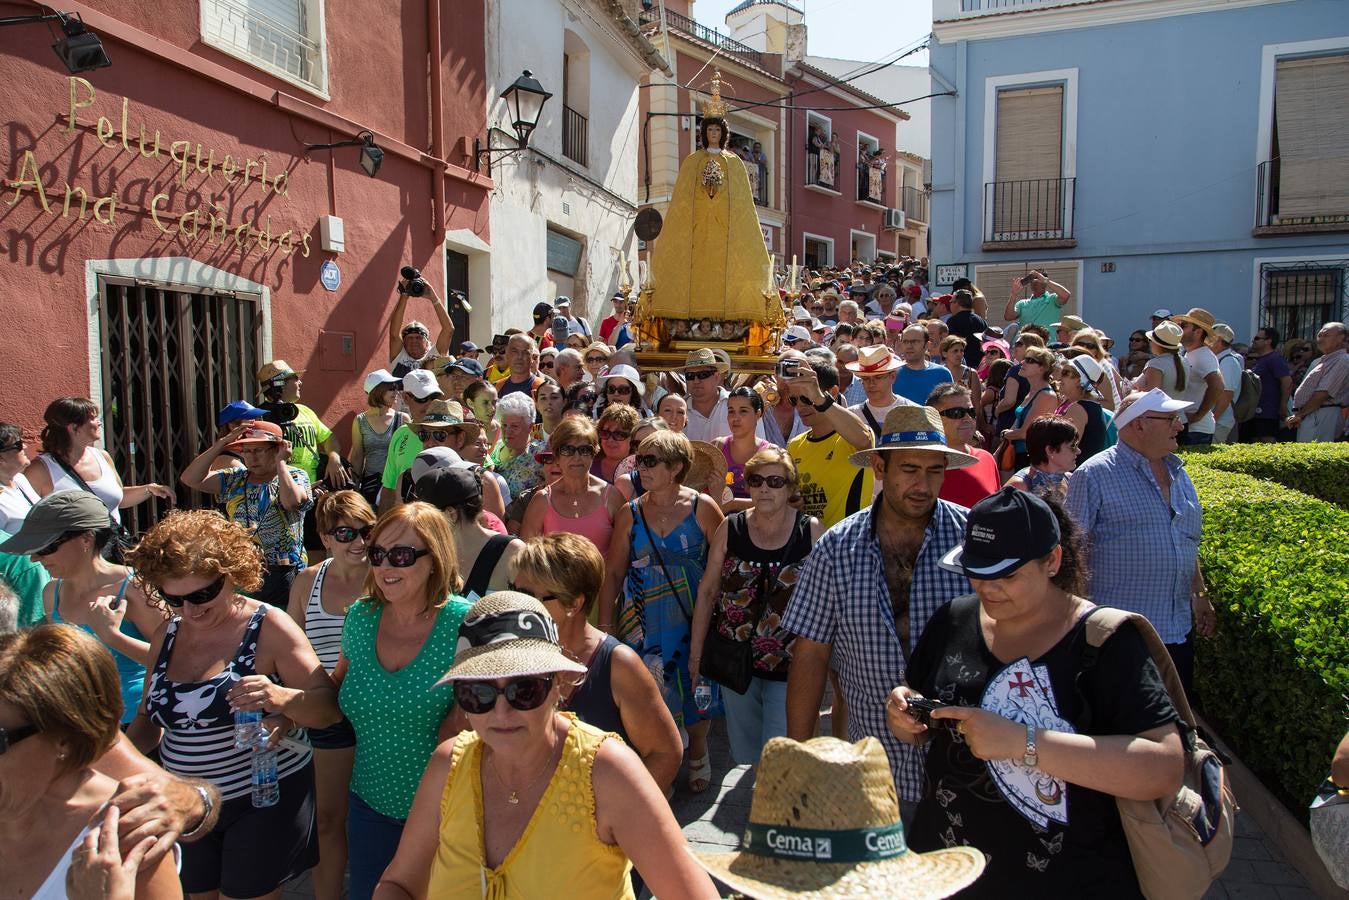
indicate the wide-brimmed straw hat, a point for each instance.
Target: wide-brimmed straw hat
{"x":707,"y":473}
{"x":875,"y":360}
{"x":703,"y":358}
{"x":914,"y":428}
{"x":1072,"y":323}
{"x":276,"y":370}
{"x":824,"y":822}
{"x":1198,"y":316}
{"x":1167,"y":334}
{"x":508,"y":634}
{"x":449,"y":415}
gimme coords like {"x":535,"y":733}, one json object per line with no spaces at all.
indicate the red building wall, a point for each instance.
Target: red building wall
{"x":190,"y":95}
{"x":827,"y":215}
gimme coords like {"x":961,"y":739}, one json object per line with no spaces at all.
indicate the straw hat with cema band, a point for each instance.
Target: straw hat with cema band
{"x":508,"y":634}
{"x":913,"y":428}
{"x":824,"y":823}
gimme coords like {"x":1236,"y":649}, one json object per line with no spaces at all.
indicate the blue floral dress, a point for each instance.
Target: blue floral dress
{"x":664,"y":606}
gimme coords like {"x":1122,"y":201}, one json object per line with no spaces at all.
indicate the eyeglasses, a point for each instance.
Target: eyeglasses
{"x":11,"y":736}
{"x":55,"y":545}
{"x":773,"y":481}
{"x":699,"y":376}
{"x":597,"y":359}
{"x":648,"y":461}
{"x":197,"y":597}
{"x":957,"y":412}
{"x":575,"y":450}
{"x":542,"y":598}
{"x":548,"y":364}
{"x":425,"y":436}
{"x":607,"y":435}
{"x":1173,"y":420}
{"x":479,"y":697}
{"x":400,"y":557}
{"x":345,"y":534}
{"x":623,"y":389}
{"x":1137,"y":340}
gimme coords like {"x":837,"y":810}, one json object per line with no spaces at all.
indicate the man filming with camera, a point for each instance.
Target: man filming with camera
{"x":410,"y":343}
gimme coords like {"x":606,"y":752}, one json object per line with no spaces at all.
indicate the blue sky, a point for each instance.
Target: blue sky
{"x":850,"y":29}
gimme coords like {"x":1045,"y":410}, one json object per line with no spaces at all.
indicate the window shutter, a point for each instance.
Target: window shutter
{"x":564,"y":253}
{"x":1310,"y":97}
{"x":996,"y":281}
{"x":1029,"y":164}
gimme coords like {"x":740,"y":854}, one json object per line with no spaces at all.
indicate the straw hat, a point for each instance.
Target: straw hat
{"x":707,"y":473}
{"x":703,"y":358}
{"x":508,"y":634}
{"x":1198,"y":316}
{"x":1071,"y":323}
{"x":449,"y":415}
{"x":1167,"y":334}
{"x":276,"y":370}
{"x":824,"y":822}
{"x":913,"y":428}
{"x":875,"y":360}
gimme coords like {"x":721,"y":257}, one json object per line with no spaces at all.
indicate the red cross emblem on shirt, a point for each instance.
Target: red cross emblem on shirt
{"x":1023,"y":684}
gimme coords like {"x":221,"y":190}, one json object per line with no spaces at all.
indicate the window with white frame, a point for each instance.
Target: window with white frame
{"x":817,"y":252}
{"x":870,"y":169}
{"x":1297,"y":297}
{"x":282,"y":37}
{"x":821,"y":152}
{"x":1308,"y":167}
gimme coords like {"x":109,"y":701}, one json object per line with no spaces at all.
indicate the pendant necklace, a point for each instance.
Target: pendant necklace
{"x":514,"y":798}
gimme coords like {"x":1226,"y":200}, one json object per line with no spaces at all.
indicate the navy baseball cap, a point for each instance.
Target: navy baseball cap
{"x":469,"y":366}
{"x":1004,"y":531}
{"x":238,"y":411}
{"x":469,"y":347}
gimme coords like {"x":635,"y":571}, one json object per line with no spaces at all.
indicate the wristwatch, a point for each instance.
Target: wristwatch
{"x":825,"y":404}
{"x":1031,"y":759}
{"x":208,"y":806}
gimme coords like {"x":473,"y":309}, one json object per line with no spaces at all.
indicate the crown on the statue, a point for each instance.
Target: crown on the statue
{"x":715,"y":107}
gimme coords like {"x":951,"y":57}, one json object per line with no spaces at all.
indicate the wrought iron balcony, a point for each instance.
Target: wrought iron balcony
{"x":1269,"y":215}
{"x":575,"y":136}
{"x":711,"y":36}
{"x":871,"y":184}
{"x":913,"y":200}
{"x":1038,"y":209}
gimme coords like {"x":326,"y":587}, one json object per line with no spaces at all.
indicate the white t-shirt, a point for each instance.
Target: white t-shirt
{"x":15,"y":503}
{"x":1201,"y":363}
{"x":1229,"y":364}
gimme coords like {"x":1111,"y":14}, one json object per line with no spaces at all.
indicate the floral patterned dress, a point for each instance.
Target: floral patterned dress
{"x":751,"y":577}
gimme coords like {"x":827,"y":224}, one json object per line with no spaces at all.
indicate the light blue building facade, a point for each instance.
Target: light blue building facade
{"x":1146,"y":153}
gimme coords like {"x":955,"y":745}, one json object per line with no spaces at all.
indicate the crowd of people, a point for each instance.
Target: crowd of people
{"x":534,"y":546}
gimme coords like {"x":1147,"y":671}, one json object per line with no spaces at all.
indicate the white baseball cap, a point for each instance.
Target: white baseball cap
{"x":796,"y":333}
{"x":434,"y":458}
{"x":421,"y":384}
{"x":1155,"y":400}
{"x":378,"y":377}
{"x":1161,"y":313}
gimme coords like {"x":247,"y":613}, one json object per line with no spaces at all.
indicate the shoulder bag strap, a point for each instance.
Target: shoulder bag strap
{"x":70,"y":470}
{"x":871,"y":420}
{"x":486,"y":563}
{"x":655,"y":551}
{"x":1103,"y":621}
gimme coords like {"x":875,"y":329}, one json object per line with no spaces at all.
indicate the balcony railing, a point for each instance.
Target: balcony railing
{"x":238,"y":29}
{"x":712,"y":36}
{"x":758,"y":182}
{"x":871,"y":184}
{"x":947,"y":10}
{"x":822,"y":168}
{"x":1038,"y":209}
{"x":913,"y":200}
{"x":1268,"y":215}
{"x":575,"y":136}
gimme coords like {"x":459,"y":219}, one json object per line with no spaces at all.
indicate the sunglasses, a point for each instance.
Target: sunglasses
{"x":11,"y":736}
{"x":575,"y":450}
{"x":542,"y":598}
{"x":957,"y":412}
{"x":546,"y":365}
{"x":197,"y":597}
{"x":597,"y":359}
{"x":524,"y":694}
{"x":345,"y":534}
{"x":618,"y":389}
{"x":55,"y":545}
{"x":400,"y":557}
{"x":773,"y":481}
{"x":607,"y":435}
{"x":648,"y":461}
{"x":9,"y":447}
{"x":580,"y":406}
{"x":425,"y":436}
{"x":699,"y":376}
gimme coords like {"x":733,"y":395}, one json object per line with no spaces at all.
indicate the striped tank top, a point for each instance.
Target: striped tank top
{"x":323,"y":629}
{"x":199,"y":725}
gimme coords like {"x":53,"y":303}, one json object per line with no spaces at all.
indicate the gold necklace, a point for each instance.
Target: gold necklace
{"x":514,"y":798}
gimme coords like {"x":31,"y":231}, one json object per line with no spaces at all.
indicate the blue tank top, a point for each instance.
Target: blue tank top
{"x":129,"y":672}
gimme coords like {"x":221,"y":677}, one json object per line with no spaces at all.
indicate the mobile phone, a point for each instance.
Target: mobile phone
{"x":789,"y":368}
{"x":921,"y":709}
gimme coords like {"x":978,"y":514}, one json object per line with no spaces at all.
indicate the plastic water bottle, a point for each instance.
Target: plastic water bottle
{"x":702,"y":696}
{"x":247,"y":728}
{"x":266,"y":787}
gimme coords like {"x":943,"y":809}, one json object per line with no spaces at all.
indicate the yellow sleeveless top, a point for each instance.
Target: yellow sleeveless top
{"x":559,"y":846}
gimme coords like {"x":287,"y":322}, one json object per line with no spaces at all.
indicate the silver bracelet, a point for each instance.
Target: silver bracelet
{"x":205,"y":816}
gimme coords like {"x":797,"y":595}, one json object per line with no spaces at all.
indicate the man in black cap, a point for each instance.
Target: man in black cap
{"x":541,"y":332}
{"x":410,"y":342}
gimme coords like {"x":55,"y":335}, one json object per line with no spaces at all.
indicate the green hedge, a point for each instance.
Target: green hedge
{"x":1275,"y":678}
{"x":1321,"y":470}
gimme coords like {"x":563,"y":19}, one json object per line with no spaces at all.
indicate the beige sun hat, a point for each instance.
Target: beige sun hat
{"x":1198,"y":316}
{"x":707,"y":473}
{"x":703,"y":358}
{"x":508,"y":634}
{"x":824,"y":822}
{"x":913,"y":428}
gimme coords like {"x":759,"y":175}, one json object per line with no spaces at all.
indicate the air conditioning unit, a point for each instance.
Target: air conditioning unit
{"x":894,"y":219}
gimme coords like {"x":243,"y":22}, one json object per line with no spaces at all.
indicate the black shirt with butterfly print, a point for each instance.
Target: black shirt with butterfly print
{"x":1089,"y":856}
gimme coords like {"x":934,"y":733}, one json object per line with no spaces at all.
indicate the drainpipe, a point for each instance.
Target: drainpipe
{"x":437,"y":121}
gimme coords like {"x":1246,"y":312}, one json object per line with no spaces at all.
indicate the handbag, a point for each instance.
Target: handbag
{"x":728,"y":662}
{"x":1328,"y":817}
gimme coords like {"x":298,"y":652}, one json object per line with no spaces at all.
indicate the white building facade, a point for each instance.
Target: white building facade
{"x":562,"y":211}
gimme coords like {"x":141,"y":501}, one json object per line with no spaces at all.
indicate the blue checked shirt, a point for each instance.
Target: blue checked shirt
{"x":843,"y":599}
{"x":1141,"y":552}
